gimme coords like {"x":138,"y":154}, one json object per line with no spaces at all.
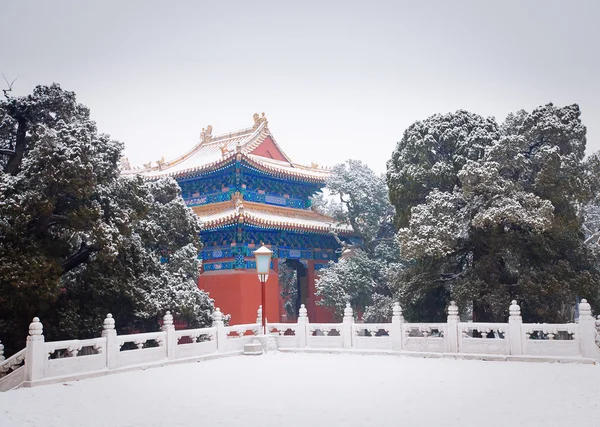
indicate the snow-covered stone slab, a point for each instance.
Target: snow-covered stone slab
{"x":253,"y":349}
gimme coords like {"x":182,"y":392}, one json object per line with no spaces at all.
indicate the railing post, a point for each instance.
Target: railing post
{"x":397,"y":322}
{"x":35,"y":354}
{"x":259,"y":316}
{"x":452,"y":328}
{"x":169,"y":329}
{"x":112,"y":345}
{"x":347,"y":327}
{"x":1,"y":352}
{"x":221,"y":334}
{"x":301,"y":330}
{"x":514,"y":327}
{"x":587,"y":331}
{"x":597,"y":339}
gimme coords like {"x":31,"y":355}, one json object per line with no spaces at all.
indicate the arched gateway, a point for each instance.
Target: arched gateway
{"x":247,"y":192}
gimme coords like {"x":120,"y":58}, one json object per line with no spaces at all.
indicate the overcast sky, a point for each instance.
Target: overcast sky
{"x":337,"y":80}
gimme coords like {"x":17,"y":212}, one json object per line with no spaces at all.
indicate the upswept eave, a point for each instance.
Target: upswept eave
{"x":238,"y":211}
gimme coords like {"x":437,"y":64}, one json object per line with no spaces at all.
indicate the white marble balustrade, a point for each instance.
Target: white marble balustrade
{"x":43,"y":362}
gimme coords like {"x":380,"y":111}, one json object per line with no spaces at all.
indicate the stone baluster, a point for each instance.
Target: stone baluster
{"x":396,"y":331}
{"x":587,"y":331}
{"x":259,"y":316}
{"x":221,"y":333}
{"x":35,"y":354}
{"x":301,"y":330}
{"x":1,"y":352}
{"x":169,"y":330}
{"x":451,"y":335}
{"x":112,"y":345}
{"x":515,"y":321}
{"x":347,"y":338}
{"x":598,"y":331}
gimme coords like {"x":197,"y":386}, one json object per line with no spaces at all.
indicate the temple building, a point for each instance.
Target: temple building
{"x":248,"y":192}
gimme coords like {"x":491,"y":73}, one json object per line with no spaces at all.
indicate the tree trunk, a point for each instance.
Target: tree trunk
{"x":14,"y":163}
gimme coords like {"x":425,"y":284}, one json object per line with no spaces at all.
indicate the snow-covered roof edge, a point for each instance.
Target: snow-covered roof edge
{"x":214,"y":151}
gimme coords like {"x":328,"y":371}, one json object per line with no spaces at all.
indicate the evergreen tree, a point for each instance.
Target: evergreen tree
{"x":76,"y":239}
{"x":503,"y":223}
{"x":363,"y":277}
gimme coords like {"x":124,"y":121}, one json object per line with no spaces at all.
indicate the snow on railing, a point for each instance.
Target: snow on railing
{"x":193,"y":342}
{"x":428,"y":337}
{"x":598,"y":332}
{"x":73,"y":356}
{"x":559,"y":339}
{"x":14,"y":362}
{"x":46,"y":362}
{"x":454,"y":337}
{"x":371,"y":335}
{"x":483,"y":338}
{"x":43,"y":362}
{"x":240,"y":335}
{"x":12,"y":370}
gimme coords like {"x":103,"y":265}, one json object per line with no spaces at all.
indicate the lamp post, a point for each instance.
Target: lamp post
{"x":263,"y":265}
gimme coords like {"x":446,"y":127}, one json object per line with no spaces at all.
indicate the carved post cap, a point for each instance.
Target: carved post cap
{"x":109,"y":323}
{"x":397,"y":310}
{"x":36,"y":327}
{"x":217,"y":315}
{"x":303,"y":312}
{"x":452,"y":309}
{"x":168,"y":319}
{"x":584,"y":308}
{"x":259,"y":315}
{"x":348,"y":311}
{"x":514,"y":309}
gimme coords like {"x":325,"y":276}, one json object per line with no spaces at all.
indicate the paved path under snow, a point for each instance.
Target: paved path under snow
{"x":319,"y":390}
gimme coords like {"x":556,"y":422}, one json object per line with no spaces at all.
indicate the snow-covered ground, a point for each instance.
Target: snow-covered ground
{"x":314,"y":390}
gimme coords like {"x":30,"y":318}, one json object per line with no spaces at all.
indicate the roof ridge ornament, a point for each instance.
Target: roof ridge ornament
{"x":206,"y":134}
{"x":224,"y":150}
{"x":259,"y":119}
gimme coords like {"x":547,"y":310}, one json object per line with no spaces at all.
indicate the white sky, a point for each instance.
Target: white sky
{"x":337,"y":80}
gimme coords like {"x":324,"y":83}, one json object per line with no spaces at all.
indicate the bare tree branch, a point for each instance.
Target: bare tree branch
{"x":345,"y":246}
{"x":10,"y":85}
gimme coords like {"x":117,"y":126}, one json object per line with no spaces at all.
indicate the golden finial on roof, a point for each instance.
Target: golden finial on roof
{"x":259,"y":119}
{"x":161,"y":163}
{"x":314,"y":165}
{"x":206,"y":134}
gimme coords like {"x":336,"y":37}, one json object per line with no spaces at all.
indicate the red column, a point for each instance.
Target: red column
{"x":311,"y":307}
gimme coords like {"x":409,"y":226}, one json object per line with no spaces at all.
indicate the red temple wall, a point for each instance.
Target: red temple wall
{"x":238,"y":293}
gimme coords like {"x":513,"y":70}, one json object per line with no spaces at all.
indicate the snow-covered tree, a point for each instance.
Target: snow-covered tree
{"x":76,"y":239}
{"x":507,"y":227}
{"x":363,"y":203}
{"x":288,"y":280}
{"x":430,"y":155}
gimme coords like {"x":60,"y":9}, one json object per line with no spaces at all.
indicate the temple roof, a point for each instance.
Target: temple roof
{"x":265,"y":216}
{"x":255,"y":145}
